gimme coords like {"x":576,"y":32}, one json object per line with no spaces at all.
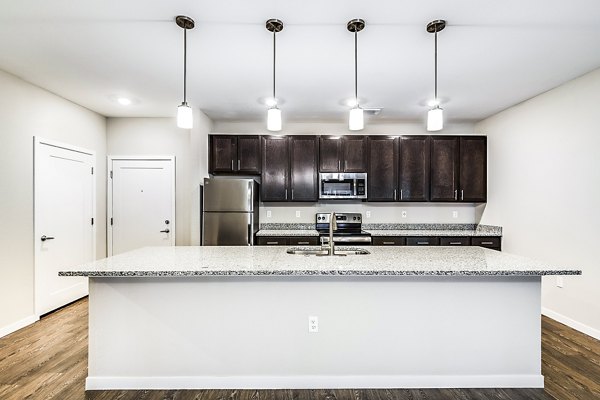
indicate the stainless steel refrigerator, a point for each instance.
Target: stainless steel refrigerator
{"x":229,"y":212}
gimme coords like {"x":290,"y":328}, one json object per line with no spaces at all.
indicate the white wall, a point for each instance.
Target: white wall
{"x":27,"y":111}
{"x":544,"y":189}
{"x":380,"y":212}
{"x":161,"y":136}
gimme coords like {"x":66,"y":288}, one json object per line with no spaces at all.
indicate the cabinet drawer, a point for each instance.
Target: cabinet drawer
{"x":388,"y":241}
{"x":455,"y":241}
{"x":489,"y":242}
{"x":303,"y":241}
{"x":272,"y":241}
{"x":422,"y":241}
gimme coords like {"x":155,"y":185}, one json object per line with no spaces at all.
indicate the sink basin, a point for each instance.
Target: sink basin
{"x":317,"y":251}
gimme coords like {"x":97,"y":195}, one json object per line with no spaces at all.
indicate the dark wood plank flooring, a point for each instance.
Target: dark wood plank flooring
{"x":48,"y":360}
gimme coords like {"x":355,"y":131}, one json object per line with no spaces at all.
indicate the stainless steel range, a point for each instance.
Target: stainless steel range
{"x":349,"y":229}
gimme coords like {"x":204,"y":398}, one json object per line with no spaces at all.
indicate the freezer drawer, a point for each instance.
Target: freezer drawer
{"x":228,"y":229}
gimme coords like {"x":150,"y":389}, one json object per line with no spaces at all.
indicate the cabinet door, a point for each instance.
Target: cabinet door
{"x":223,"y":152}
{"x":271,"y":241}
{"x":354,"y":149}
{"x":444,"y":168}
{"x":275,"y":169}
{"x":473,"y":168}
{"x":389,"y":241}
{"x":248,"y":152}
{"x":413,"y":168}
{"x":303,"y":168}
{"x":381,"y":178}
{"x":330,"y":154}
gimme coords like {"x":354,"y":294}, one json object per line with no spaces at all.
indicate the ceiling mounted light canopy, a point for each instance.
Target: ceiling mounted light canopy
{"x":435,"y":116}
{"x":185,"y":118}
{"x":356,"y":120}
{"x":274,"y":113}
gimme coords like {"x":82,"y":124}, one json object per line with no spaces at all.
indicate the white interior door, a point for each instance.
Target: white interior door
{"x":64,"y":199}
{"x":141,"y":203}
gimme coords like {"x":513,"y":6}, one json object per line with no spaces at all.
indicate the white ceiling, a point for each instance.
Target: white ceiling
{"x":492,"y":54}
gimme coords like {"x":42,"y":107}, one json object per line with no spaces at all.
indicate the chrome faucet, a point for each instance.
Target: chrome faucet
{"x":332,"y":227}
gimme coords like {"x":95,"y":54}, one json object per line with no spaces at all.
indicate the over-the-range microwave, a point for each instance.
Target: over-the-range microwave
{"x":342,"y":186}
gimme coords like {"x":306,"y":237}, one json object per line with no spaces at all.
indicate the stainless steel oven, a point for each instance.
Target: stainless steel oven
{"x":342,"y":186}
{"x":349,"y":229}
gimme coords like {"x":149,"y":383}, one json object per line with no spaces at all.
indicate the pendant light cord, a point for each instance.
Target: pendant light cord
{"x":184,"y":65}
{"x":274,"y":57}
{"x":356,"y":67}
{"x":435,"y":68}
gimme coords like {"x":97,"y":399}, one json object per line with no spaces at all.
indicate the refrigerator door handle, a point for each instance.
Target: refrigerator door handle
{"x":250,"y":233}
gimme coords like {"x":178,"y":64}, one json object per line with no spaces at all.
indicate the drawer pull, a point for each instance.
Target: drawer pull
{"x":302,"y":242}
{"x":422,"y":242}
{"x":455,"y":242}
{"x":487,"y":242}
{"x":389,"y":242}
{"x":272,"y":242}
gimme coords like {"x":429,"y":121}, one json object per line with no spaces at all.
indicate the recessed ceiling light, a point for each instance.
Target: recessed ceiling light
{"x":124,"y":101}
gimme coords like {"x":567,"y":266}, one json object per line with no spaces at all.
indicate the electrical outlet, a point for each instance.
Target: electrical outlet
{"x":268,"y":213}
{"x":404,"y":214}
{"x":297,"y":213}
{"x":560,"y":281}
{"x":313,"y":324}
{"x":368,"y":213}
{"x":454,"y":214}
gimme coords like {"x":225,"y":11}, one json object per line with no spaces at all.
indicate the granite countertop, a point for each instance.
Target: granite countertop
{"x":388,"y":230}
{"x":182,"y":261}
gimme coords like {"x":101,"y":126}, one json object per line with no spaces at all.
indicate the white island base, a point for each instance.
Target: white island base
{"x":374,"y":332}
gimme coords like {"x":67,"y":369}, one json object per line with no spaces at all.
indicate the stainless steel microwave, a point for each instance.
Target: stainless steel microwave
{"x":342,"y":186}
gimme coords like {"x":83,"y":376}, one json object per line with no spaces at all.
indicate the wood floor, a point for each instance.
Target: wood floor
{"x":48,"y":360}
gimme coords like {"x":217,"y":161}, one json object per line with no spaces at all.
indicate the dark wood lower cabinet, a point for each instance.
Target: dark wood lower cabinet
{"x":287,"y":240}
{"x":455,"y":241}
{"x":493,"y":243}
{"x":389,"y":241}
{"x":422,"y":241}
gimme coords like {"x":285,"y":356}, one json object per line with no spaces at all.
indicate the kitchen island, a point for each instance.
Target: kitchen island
{"x":238,"y":317}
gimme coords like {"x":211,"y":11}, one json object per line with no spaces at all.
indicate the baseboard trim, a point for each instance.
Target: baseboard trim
{"x":7,"y":330}
{"x":314,"y":382}
{"x":588,"y":330}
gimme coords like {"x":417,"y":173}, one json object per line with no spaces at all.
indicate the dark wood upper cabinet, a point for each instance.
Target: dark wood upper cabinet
{"x":223,"y":151}
{"x":413,"y":168}
{"x":382,"y":167}
{"x":303,"y":168}
{"x":343,"y":154}
{"x":275,"y":169}
{"x":330,"y":153}
{"x":234,"y":154}
{"x":444,"y":168}
{"x":473,"y":168}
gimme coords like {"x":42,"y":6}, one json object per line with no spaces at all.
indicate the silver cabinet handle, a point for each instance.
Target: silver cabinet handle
{"x":455,"y":242}
{"x":487,"y":242}
{"x":462,"y":194}
{"x":286,"y":194}
{"x":165,"y":231}
{"x":455,"y":194}
{"x":292,"y":194}
{"x":44,"y":238}
{"x":394,"y":194}
{"x":422,"y":242}
{"x":302,"y":242}
{"x":272,"y":242}
{"x":339,"y":165}
{"x":238,"y":165}
{"x":232,"y":167}
{"x":400,"y":194}
{"x":389,"y":243}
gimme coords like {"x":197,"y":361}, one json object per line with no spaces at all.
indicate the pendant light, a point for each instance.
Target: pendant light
{"x":185,"y":118}
{"x":356,"y":120}
{"x":274,"y":113}
{"x":435,"y":116}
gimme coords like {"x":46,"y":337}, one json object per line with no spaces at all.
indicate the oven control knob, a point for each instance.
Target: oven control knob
{"x":354,"y":218}
{"x":358,"y":218}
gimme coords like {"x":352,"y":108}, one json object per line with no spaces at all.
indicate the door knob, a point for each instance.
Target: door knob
{"x":44,"y":238}
{"x":166,"y":231}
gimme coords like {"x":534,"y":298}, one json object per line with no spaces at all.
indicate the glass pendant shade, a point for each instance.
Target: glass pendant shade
{"x":435,"y":119}
{"x":274,"y":119}
{"x":185,"y":117}
{"x":356,"y":121}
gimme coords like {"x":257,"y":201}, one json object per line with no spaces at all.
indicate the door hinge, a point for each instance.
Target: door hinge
{"x":92,"y":221}
{"x":110,"y":174}
{"x":111,"y":221}
{"x":92,"y":170}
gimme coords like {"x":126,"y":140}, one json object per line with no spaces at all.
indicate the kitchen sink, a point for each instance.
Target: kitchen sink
{"x":317,"y":251}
